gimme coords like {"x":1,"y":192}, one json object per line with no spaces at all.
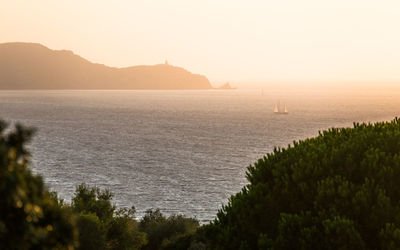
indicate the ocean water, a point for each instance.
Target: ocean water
{"x":184,"y":152}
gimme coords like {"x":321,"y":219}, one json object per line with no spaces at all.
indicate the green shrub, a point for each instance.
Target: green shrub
{"x":93,"y":200}
{"x":339,"y":190}
{"x":103,"y":226}
{"x":123,"y":233}
{"x":167,"y":233}
{"x":91,"y":232}
{"x":30,"y":216}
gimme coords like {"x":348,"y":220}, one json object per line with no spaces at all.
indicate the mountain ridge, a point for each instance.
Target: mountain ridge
{"x":35,"y":66}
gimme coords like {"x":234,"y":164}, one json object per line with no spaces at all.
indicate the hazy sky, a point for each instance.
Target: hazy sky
{"x":227,"y":40}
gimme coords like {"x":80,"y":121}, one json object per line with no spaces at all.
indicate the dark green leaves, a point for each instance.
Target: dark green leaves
{"x":30,"y":216}
{"x":339,"y":190}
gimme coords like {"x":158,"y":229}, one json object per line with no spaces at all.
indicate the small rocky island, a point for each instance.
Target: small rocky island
{"x":226,"y":86}
{"x":34,"y":66}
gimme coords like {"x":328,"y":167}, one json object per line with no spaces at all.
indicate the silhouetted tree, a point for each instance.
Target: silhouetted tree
{"x":30,"y":216}
{"x":340,"y":190}
{"x":123,"y":232}
{"x":93,"y":200}
{"x":92,"y":234}
{"x":167,"y":233}
{"x":102,"y":225}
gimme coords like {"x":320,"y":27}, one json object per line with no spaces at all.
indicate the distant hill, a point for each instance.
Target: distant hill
{"x":34,"y":66}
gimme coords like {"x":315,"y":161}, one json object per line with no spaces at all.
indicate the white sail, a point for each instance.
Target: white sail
{"x":276,"y":109}
{"x":285,"y":109}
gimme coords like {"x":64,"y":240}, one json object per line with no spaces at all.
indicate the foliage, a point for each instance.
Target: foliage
{"x":30,"y":216}
{"x":123,"y":231}
{"x":167,"y":233}
{"x":103,"y":226}
{"x":339,"y":190}
{"x":185,"y":242}
{"x":91,"y":232}
{"x":93,"y":200}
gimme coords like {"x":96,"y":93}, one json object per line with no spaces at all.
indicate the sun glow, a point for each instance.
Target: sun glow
{"x":284,"y":41}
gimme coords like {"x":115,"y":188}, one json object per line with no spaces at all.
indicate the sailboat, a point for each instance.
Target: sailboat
{"x":276,"y":109}
{"x":280,"y":112}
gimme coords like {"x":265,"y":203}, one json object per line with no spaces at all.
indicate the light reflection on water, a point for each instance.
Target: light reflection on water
{"x":180,"y":151}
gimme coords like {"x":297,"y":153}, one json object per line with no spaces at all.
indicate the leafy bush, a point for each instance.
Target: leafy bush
{"x":91,"y":232}
{"x":163,"y":232}
{"x":102,"y":225}
{"x":339,"y":190}
{"x":93,"y":200}
{"x":30,"y":216}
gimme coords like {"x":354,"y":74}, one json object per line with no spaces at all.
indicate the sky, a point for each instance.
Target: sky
{"x":302,"y":41}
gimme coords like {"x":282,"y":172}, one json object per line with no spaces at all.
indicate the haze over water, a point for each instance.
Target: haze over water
{"x":180,"y":151}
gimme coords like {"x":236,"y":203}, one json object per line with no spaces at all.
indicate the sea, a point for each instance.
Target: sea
{"x":183,"y":152}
